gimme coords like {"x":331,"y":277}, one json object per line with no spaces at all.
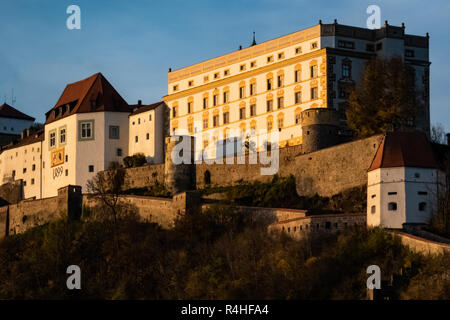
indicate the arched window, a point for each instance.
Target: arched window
{"x":373,"y":209}
{"x":392,"y":206}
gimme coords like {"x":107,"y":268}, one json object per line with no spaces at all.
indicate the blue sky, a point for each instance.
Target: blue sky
{"x":133,"y":43}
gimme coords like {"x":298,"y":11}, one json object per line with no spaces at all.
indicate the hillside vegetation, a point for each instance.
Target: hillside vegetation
{"x":215,"y":255}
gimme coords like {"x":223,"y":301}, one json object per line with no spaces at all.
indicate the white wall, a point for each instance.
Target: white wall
{"x":140,"y":125}
{"x":404,"y":184}
{"x":99,"y":152}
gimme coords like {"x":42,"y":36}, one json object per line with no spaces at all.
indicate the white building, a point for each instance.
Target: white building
{"x":22,"y":160}
{"x":147,"y":130}
{"x":85,"y":131}
{"x":12,"y":123}
{"x":403,"y":181}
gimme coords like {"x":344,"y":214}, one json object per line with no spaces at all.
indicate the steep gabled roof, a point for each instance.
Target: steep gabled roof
{"x":92,"y":94}
{"x":144,"y":108}
{"x":6,"y":111}
{"x":404,"y":149}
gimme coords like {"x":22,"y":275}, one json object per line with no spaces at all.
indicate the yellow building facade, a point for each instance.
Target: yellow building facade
{"x":265,"y":87}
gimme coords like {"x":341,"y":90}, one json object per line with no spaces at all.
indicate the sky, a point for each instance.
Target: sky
{"x":134,"y":43}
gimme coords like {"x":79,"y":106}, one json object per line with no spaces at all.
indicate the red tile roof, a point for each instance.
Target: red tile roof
{"x":404,"y":149}
{"x":92,"y":94}
{"x":143,"y":108}
{"x":33,"y":137}
{"x":6,"y":111}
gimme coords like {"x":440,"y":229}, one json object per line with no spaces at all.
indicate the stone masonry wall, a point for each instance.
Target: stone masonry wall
{"x":325,"y":172}
{"x":27,"y":214}
{"x":144,"y":176}
{"x":150,"y":209}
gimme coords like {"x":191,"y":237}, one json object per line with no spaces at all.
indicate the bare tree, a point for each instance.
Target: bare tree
{"x":107,"y":185}
{"x":438,"y":133}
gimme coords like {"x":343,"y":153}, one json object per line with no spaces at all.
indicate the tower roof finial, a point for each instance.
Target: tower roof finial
{"x":254,"y":40}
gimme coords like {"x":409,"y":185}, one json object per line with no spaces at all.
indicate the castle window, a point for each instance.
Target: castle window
{"x":269,"y":59}
{"x":298,"y":97}
{"x":215,"y":99}
{"x":373,"y":209}
{"x":226,"y":72}
{"x":242,"y":113}
{"x":174,"y":112}
{"x":392,"y":206}
{"x":242,"y":67}
{"x":280,"y":123}
{"x":280,"y":80}
{"x":67,"y":172}
{"x":189,"y":107}
{"x":205,"y":79}
{"x":119,"y":152}
{"x":416,"y":175}
{"x":269,"y":125}
{"x":346,"y":70}
{"x":314,"y":45}
{"x":149,"y":117}
{"x":252,"y":64}
{"x":33,"y":167}
{"x":422,"y":193}
{"x":280,"y":55}
{"x":241,"y":92}
{"x":148,"y":136}
{"x":175,"y":87}
{"x":24,"y":170}
{"x":280,"y":101}
{"x":226,"y":117}
{"x":52,"y":140}
{"x":269,"y":84}
{"x":86,"y":130}
{"x":346,"y":44}
{"x":205,"y":102}
{"x":216,"y":120}
{"x":422,"y":206}
{"x":225,"y":96}
{"x":136,"y":139}
{"x":252,"y":110}
{"x":297,"y":75}
{"x":216,"y":75}
{"x":32,"y":180}
{"x":297,"y":117}
{"x":62,"y":135}
{"x":252,"y":89}
{"x":298,"y":50}
{"x":205,"y":123}
{"x":314,"y":93}
{"x":313,"y":70}
{"x":269,"y":105}
{"x":91,"y":168}
{"x":114,"y":132}
{"x":392,"y":193}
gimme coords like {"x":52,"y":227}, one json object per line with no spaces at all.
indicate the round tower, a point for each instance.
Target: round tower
{"x":179,"y":174}
{"x":320,"y":128}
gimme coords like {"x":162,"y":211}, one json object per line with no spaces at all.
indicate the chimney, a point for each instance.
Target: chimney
{"x":448,"y":139}
{"x":139,"y":102}
{"x":170,"y":69}
{"x":240,"y":47}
